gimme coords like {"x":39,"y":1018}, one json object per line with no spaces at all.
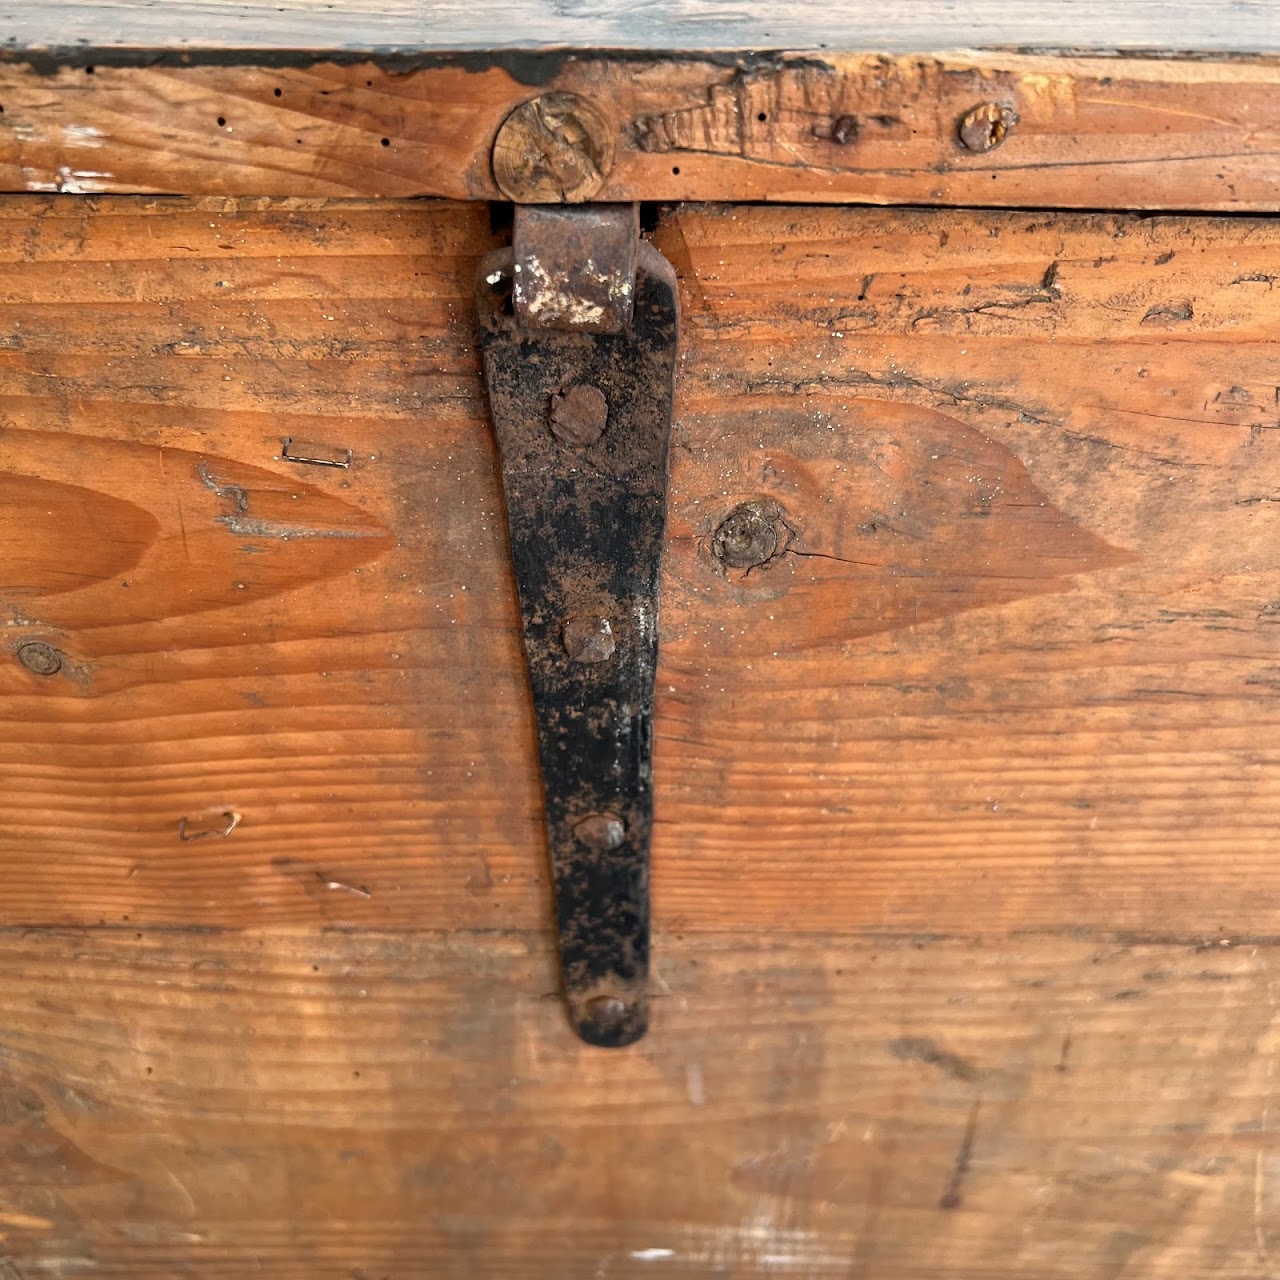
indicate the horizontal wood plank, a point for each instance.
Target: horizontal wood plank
{"x":322,"y":1106}
{"x":1116,"y":132}
{"x":1239,"y":25}
{"x":1014,"y":667}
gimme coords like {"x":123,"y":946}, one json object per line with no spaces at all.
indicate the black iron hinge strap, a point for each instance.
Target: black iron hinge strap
{"x":578,"y":329}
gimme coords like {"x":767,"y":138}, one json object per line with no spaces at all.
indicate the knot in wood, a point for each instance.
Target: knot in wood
{"x":986,"y":126}
{"x":748,"y":536}
{"x":40,"y":659}
{"x":579,"y":415}
{"x":554,"y":149}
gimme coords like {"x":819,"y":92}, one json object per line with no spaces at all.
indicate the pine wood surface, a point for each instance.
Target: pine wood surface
{"x":326,"y":1106}
{"x":1016,"y":666}
{"x":1092,"y":132}
{"x":963,"y":868}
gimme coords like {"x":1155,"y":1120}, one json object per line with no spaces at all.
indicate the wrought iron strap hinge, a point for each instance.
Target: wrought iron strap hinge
{"x":578,"y":326}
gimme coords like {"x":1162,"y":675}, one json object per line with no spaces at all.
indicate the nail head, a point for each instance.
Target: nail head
{"x":589,"y":639}
{"x":579,"y":414}
{"x":607,"y":1012}
{"x":600,"y":831}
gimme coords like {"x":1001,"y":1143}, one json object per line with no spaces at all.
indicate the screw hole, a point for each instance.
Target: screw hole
{"x":222,"y":122}
{"x":763,"y":116}
{"x":386,"y":142}
{"x":89,"y":70}
{"x":278,"y":92}
{"x":675,"y":169}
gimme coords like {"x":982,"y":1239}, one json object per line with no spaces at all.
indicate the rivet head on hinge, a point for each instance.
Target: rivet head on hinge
{"x":589,"y":639}
{"x":601,"y":831}
{"x":579,"y":415}
{"x":606,"y":1013}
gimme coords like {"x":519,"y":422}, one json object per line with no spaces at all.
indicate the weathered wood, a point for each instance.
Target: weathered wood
{"x":1095,"y":133}
{"x":1014,"y":666}
{"x":323,"y":1106}
{"x":1237,"y":25}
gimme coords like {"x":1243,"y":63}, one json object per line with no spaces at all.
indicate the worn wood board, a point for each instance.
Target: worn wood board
{"x":1100,"y":132}
{"x":1194,"y":25}
{"x":964,"y":876}
{"x":324,"y":1106}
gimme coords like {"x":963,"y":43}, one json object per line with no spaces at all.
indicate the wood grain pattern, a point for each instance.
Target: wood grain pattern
{"x":1015,"y":668}
{"x":329,"y":1106}
{"x":1132,"y":132}
{"x":1239,"y":25}
{"x":964,"y":868}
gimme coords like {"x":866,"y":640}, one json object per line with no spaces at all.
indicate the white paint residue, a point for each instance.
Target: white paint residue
{"x":652,"y":1255}
{"x":80,"y":181}
{"x":760,"y":1244}
{"x":81,"y":135}
{"x":494,"y":277}
{"x":644,"y":620}
{"x":541,"y":298}
{"x":620,"y":286}
{"x":75,"y":181}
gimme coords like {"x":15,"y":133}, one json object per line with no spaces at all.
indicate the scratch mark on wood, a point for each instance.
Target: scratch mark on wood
{"x":1066,"y":1050}
{"x":951,"y":1197}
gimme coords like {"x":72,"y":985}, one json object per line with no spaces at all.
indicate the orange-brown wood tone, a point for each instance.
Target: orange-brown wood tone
{"x":963,"y":870}
{"x":1085,"y":132}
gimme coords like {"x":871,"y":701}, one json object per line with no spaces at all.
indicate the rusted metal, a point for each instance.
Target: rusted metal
{"x":586,"y":519}
{"x":589,"y":639}
{"x":576,"y":268}
{"x":579,"y":415}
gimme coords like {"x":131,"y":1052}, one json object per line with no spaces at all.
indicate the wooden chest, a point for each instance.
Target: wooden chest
{"x":964,"y":877}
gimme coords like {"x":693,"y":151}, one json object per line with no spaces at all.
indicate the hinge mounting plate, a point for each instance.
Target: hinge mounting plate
{"x":578,"y":327}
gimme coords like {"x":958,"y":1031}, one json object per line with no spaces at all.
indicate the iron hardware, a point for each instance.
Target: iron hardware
{"x":578,"y":324}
